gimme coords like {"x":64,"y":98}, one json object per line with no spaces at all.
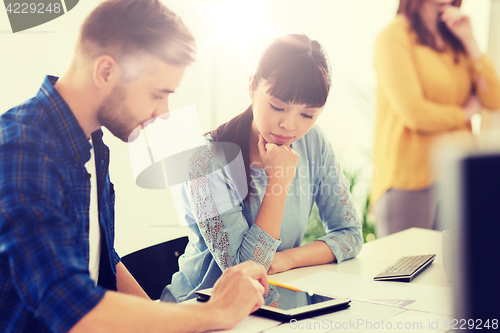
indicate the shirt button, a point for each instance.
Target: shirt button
{"x":89,"y":176}
{"x":87,"y":228}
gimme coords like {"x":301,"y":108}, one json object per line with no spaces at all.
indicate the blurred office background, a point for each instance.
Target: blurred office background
{"x":230,"y":35}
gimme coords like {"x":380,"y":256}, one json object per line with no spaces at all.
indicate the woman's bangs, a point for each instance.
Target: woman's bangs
{"x":299,"y":84}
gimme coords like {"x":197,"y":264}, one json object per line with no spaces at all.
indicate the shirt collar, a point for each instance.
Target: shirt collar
{"x":66,"y":126}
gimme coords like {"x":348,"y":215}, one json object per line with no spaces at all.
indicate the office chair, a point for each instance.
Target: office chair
{"x":154,"y":266}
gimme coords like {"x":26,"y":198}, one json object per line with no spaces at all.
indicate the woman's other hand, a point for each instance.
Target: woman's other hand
{"x":279,"y":162}
{"x":281,"y":263}
{"x":472,"y":106}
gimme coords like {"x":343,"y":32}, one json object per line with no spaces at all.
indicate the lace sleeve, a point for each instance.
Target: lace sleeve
{"x":215,"y":204}
{"x":337,"y":212}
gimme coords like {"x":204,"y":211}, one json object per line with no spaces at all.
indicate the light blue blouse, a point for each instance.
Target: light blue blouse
{"x":218,"y":240}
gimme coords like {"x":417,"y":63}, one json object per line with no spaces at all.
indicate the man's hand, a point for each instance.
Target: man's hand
{"x":238,"y":292}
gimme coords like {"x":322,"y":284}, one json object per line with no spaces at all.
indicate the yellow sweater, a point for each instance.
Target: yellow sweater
{"x":419,"y":97}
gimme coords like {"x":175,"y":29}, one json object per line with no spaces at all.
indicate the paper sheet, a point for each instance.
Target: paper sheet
{"x":377,"y":306}
{"x":420,"y":297}
{"x":252,"y":324}
{"x":416,"y":321}
{"x":358,"y":317}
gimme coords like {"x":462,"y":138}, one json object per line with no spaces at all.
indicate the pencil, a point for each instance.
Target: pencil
{"x":277,"y":284}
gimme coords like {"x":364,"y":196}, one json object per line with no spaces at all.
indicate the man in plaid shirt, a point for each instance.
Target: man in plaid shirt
{"x":130,"y":55}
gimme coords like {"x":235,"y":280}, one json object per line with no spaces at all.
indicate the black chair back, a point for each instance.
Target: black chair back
{"x":154,"y":266}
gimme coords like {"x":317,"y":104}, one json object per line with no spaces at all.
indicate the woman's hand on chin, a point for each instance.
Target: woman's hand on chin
{"x":279,"y":162}
{"x":458,"y":23}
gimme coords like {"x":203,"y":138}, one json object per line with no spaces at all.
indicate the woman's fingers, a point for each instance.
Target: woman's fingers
{"x":278,"y":161}
{"x":262,"y":146}
{"x":452,"y":16}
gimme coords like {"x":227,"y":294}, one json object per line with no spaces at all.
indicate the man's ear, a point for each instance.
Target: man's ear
{"x":250,"y":86}
{"x":106,"y":73}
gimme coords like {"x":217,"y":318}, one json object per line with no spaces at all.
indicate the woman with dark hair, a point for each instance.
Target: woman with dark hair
{"x":432,"y":79}
{"x":289,"y":166}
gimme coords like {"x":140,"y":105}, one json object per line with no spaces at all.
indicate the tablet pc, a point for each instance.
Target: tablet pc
{"x":285,"y":304}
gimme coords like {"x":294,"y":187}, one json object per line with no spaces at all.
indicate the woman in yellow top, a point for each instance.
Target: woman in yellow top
{"x":431,"y":79}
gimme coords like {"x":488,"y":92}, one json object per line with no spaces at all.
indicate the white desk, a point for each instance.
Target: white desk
{"x":381,"y":253}
{"x":374,"y":257}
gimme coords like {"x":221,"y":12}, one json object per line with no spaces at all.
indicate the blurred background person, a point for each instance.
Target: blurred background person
{"x":432,"y":79}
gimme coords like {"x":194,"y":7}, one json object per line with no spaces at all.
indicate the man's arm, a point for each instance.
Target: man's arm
{"x":127,"y":284}
{"x":237,"y":293}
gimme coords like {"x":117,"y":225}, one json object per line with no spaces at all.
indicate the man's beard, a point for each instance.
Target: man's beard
{"x":116,"y":117}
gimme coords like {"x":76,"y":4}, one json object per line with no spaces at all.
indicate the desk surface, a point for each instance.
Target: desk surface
{"x":381,"y":253}
{"x":374,"y":257}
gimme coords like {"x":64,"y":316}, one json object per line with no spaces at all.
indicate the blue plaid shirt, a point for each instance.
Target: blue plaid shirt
{"x":45,"y":284}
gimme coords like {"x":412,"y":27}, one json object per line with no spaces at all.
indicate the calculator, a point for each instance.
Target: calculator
{"x":406,"y":268}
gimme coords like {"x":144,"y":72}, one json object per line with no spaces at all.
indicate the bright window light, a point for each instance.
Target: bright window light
{"x":238,"y":23}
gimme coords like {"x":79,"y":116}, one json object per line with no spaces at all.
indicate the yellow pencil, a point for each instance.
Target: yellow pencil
{"x":277,"y":284}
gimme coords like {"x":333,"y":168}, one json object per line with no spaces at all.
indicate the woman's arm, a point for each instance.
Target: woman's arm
{"x":315,"y":253}
{"x":279,"y":164}
{"x":486,"y":82}
{"x":484,"y":75}
{"x":210,"y":197}
{"x":343,"y":239}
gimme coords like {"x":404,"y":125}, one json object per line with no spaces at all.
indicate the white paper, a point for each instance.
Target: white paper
{"x":420,"y":297}
{"x":416,"y":320}
{"x":253,"y":324}
{"x":358,"y":317}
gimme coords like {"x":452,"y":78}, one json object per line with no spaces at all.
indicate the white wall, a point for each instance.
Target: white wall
{"x":231,"y":34}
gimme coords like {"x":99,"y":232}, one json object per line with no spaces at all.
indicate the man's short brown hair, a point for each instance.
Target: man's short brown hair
{"x":124,"y":29}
